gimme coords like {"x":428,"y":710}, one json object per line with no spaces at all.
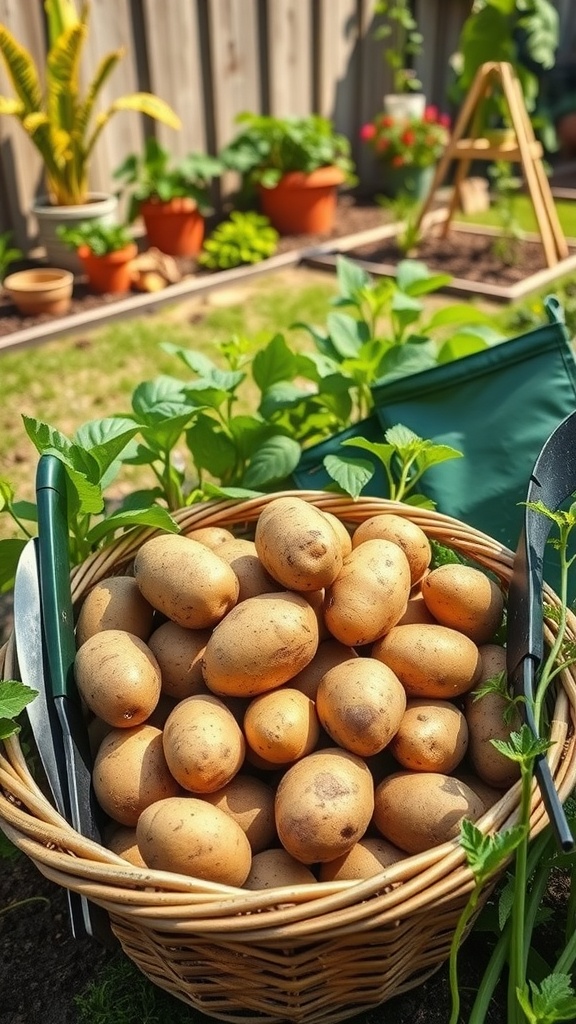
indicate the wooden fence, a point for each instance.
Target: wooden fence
{"x":212,"y":59}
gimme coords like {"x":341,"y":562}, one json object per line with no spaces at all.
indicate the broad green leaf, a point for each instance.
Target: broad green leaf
{"x":164,"y":434}
{"x":402,"y":360}
{"x":460,"y":314}
{"x":159,"y":399}
{"x":383,"y":452}
{"x":274,"y":363}
{"x":105,"y":439}
{"x":347,"y":334}
{"x":214,"y":491}
{"x":14,"y":696}
{"x":141,"y":499}
{"x":283,"y":395}
{"x":275,"y":460}
{"x":154,"y":516}
{"x":49,"y":441}
{"x":419,"y":501}
{"x":335,"y":384}
{"x":401,"y":436}
{"x":409,"y":272}
{"x":6,"y":493}
{"x":486,"y":854}
{"x":26,"y":510}
{"x":553,"y":1000}
{"x":432,"y":284}
{"x":460,"y":345}
{"x":350,"y":474}
{"x":351,"y":277}
{"x":195,"y":361}
{"x":203,"y":393}
{"x":210,"y":448}
{"x":315,"y":365}
{"x":10,"y":550}
{"x":431,"y":454}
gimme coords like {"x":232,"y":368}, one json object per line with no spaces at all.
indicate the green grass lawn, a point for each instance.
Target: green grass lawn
{"x":525,"y":216}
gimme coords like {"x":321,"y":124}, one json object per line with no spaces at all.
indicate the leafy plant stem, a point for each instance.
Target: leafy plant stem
{"x":18,"y":521}
{"x":454,"y":947}
{"x":517,"y":975}
{"x":404,"y":483}
{"x":546,"y":673}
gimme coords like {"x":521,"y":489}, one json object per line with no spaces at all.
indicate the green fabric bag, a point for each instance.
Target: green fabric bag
{"x":497,"y":406}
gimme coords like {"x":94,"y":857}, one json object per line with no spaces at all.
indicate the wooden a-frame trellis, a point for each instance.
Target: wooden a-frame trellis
{"x":524,"y":150}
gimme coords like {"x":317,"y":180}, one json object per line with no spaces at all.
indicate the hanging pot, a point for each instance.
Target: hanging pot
{"x":303,"y":204}
{"x":404,"y":104}
{"x":176,"y":227}
{"x":99,"y":206}
{"x":110,"y":273}
{"x":40,"y":290}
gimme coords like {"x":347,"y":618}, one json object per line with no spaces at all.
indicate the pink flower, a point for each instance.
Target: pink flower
{"x":431,"y":114}
{"x":367,"y":132}
{"x":444,"y":120}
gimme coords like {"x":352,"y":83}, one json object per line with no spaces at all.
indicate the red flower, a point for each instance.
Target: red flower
{"x":408,"y":137}
{"x":382,"y":145}
{"x":431,"y":114}
{"x":367,"y":132}
{"x":398,"y":161}
{"x":386,"y":121}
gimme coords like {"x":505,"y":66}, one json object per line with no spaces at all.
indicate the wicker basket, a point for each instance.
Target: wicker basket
{"x":316,"y":953}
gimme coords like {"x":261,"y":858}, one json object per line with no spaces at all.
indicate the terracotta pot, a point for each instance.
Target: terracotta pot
{"x":109,"y":273}
{"x":99,"y":206}
{"x":303,"y":204}
{"x":175,"y":227}
{"x":40,"y":290}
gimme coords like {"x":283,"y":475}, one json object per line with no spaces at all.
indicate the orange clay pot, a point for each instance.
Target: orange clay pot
{"x":175,"y":227}
{"x":110,"y":273}
{"x":303,"y":204}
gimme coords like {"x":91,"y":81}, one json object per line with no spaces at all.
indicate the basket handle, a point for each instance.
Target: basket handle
{"x":553,"y":479}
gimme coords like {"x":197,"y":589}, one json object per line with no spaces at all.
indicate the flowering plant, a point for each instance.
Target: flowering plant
{"x":408,"y":141}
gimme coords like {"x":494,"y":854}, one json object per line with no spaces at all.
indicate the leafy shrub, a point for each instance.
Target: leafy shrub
{"x":244,"y":238}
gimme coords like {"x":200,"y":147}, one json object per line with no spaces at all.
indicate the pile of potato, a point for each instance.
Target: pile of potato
{"x":294,"y":708}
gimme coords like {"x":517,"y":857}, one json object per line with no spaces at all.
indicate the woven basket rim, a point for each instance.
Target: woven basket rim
{"x":176,"y":901}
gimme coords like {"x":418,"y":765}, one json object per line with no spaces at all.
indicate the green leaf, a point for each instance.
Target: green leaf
{"x":275,"y":460}
{"x":48,"y":440}
{"x":249,"y":432}
{"x":195,"y":361}
{"x":14,"y":696}
{"x":106,"y":438}
{"x":402,"y":360}
{"x":154,"y":516}
{"x":350,"y":474}
{"x":283,"y":395}
{"x":410,"y":273}
{"x":210,"y":447}
{"x":383,"y":452}
{"x":274,"y":363}
{"x":459,"y":313}
{"x":26,"y":510}
{"x":553,"y":1000}
{"x":347,"y":334}
{"x":159,"y":399}
{"x":522,"y":746}
{"x":487,"y":853}
{"x":214,"y":491}
{"x":351,"y":277}
{"x":430,"y":454}
{"x":164,"y":434}
{"x":10,"y":551}
{"x":460,"y":345}
{"x":6,"y":493}
{"x":401,"y":436}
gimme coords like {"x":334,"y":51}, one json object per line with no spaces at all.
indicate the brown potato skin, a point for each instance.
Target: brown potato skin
{"x":211,"y":536}
{"x":242,"y":557}
{"x":275,"y":868}
{"x":179,"y":653}
{"x":369,"y":594}
{"x":203,"y":744}
{"x":118,"y":677}
{"x":185,"y":580}
{"x":260,"y":645}
{"x":485,"y":717}
{"x":123,"y":842}
{"x":430,"y":661}
{"x":297,"y":545}
{"x":361,"y":703}
{"x":114,"y":603}
{"x":250,"y":802}
{"x":190,"y":837}
{"x":323,"y":805}
{"x":281,"y":726}
{"x":130,"y":773}
{"x":330,"y":653}
{"x":407,"y":535}
{"x":367,"y":858}
{"x":341,"y":532}
{"x":418,"y":810}
{"x":432,"y":737}
{"x":466,"y":599}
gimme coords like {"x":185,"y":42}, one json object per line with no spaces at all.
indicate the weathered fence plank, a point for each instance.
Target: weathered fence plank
{"x":290,"y":57}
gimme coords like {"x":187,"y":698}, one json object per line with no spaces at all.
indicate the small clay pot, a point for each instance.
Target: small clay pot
{"x":176,"y":227}
{"x":110,"y":273}
{"x":303,"y":204}
{"x":40,"y":290}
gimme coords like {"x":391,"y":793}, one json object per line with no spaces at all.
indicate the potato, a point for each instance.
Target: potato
{"x":273,"y":869}
{"x":179,"y":653}
{"x":242,"y":557}
{"x":190,"y":837}
{"x":418,"y":810}
{"x":250,"y":802}
{"x":486,"y":722}
{"x":114,"y":603}
{"x":211,"y":536}
{"x":466,"y":599}
{"x":341,"y":532}
{"x":360,"y":703}
{"x":316,"y":599}
{"x":329,"y":654}
{"x":488,"y":794}
{"x":130,"y":773}
{"x":281,"y":726}
{"x":367,"y":858}
{"x":185,"y":580}
{"x":118,"y":677}
{"x":260,"y":644}
{"x":407,"y":535}
{"x":432,"y":737}
{"x":416,"y":611}
{"x":123,"y":842}
{"x":323,"y":805}
{"x":297,"y":545}
{"x":203,"y":744}
{"x":430,"y":661}
{"x":370,"y":593}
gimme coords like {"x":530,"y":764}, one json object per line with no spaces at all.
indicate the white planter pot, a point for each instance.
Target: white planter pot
{"x":100,"y":206}
{"x":406,"y":104}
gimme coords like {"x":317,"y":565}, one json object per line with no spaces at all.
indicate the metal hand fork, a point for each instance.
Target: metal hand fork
{"x":553,"y":479}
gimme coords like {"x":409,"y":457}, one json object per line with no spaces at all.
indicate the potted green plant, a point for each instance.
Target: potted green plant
{"x":408,"y":148}
{"x":63,"y":123}
{"x":246,"y":237}
{"x":172,"y":197}
{"x":295,"y":164}
{"x":404,"y":44}
{"x":523,"y":34}
{"x":105,"y":252}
